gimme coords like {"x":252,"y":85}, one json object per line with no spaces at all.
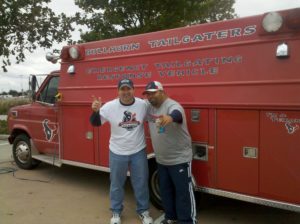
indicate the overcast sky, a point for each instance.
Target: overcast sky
{"x":17,"y":76}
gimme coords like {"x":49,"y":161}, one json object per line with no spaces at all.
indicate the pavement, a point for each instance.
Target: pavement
{"x":3,"y":137}
{"x":52,"y":195}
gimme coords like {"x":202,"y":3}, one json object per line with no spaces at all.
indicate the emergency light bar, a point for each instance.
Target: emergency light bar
{"x":293,"y":19}
{"x":74,"y":52}
{"x":70,"y":53}
{"x":272,"y":22}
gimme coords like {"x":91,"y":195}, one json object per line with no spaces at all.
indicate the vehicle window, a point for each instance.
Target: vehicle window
{"x":47,"y":95}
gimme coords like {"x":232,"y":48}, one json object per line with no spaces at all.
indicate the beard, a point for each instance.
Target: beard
{"x":153,"y":102}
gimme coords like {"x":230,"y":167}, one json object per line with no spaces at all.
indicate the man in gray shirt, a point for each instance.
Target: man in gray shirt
{"x":173,"y":151}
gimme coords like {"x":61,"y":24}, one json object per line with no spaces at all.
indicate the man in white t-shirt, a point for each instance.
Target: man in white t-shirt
{"x":127,"y":148}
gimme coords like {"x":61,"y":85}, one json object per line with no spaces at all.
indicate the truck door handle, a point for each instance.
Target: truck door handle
{"x":250,"y":152}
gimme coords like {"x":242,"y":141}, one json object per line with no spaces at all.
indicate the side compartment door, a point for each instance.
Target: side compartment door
{"x":103,"y":144}
{"x":45,"y":128}
{"x":204,"y":158}
{"x":280,"y":155}
{"x":237,"y":151}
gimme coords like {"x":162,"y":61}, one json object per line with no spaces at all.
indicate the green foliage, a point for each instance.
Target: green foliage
{"x":6,"y":104}
{"x":3,"y":127}
{"x":115,"y":18}
{"x":25,"y":25}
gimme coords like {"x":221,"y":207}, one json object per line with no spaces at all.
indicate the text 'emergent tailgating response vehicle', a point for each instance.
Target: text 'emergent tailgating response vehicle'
{"x":238,"y":80}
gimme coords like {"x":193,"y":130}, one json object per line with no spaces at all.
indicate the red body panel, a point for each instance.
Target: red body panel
{"x":76,"y":145}
{"x":235,"y":130}
{"x":102,"y":146}
{"x":279,"y":156}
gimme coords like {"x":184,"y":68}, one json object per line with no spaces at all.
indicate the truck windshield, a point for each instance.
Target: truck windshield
{"x":49,"y":91}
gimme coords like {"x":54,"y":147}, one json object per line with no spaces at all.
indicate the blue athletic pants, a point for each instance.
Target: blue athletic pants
{"x":177,"y":193}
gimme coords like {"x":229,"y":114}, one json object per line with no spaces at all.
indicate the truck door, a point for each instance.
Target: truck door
{"x":77,"y":135}
{"x":44,"y":117}
{"x":237,"y":150}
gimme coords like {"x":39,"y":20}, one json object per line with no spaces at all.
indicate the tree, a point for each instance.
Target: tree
{"x":115,"y":18}
{"x":27,"y":24}
{"x":13,"y":92}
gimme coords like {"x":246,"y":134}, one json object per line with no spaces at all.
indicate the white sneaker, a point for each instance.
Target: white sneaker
{"x":115,"y":219}
{"x":168,"y":221}
{"x":146,"y":218}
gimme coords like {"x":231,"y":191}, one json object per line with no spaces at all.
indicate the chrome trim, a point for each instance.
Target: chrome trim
{"x":52,"y":57}
{"x":282,"y":50}
{"x":91,"y":166}
{"x":250,"y":152}
{"x":71,"y":70}
{"x":252,"y":199}
{"x":45,"y":103}
{"x":14,"y":113}
{"x":50,"y":159}
{"x":84,"y":165}
{"x":195,"y":156}
{"x":89,"y":135}
{"x":195,"y":115}
{"x":150,"y":155}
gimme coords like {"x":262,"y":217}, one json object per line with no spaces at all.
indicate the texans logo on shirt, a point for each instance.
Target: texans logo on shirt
{"x":152,"y":117}
{"x":49,"y":132}
{"x":129,"y":121}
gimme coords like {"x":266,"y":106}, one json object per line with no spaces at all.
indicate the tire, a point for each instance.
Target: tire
{"x":22,"y":153}
{"x":153,"y":186}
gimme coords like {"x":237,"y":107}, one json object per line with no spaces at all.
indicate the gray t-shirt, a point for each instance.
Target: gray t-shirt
{"x":173,"y":146}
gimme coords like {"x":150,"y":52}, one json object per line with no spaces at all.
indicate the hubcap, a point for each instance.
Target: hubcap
{"x":22,"y":152}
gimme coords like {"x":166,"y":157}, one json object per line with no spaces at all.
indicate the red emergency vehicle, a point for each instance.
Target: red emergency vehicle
{"x":238,"y":80}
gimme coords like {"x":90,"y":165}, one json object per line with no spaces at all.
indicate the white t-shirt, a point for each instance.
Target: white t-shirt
{"x":126,"y":125}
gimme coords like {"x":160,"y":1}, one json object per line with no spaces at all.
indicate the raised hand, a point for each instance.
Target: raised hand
{"x":96,"y":104}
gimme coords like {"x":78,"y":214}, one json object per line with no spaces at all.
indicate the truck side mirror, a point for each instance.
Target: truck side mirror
{"x":33,"y":83}
{"x":52,"y":57}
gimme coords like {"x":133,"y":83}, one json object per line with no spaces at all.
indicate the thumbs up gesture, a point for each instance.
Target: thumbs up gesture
{"x":96,"y":104}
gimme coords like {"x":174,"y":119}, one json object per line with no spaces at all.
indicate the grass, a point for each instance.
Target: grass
{"x":3,"y":127}
{"x":5,"y":105}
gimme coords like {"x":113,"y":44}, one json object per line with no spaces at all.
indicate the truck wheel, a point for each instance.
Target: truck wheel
{"x":22,"y":153}
{"x":153,"y":186}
